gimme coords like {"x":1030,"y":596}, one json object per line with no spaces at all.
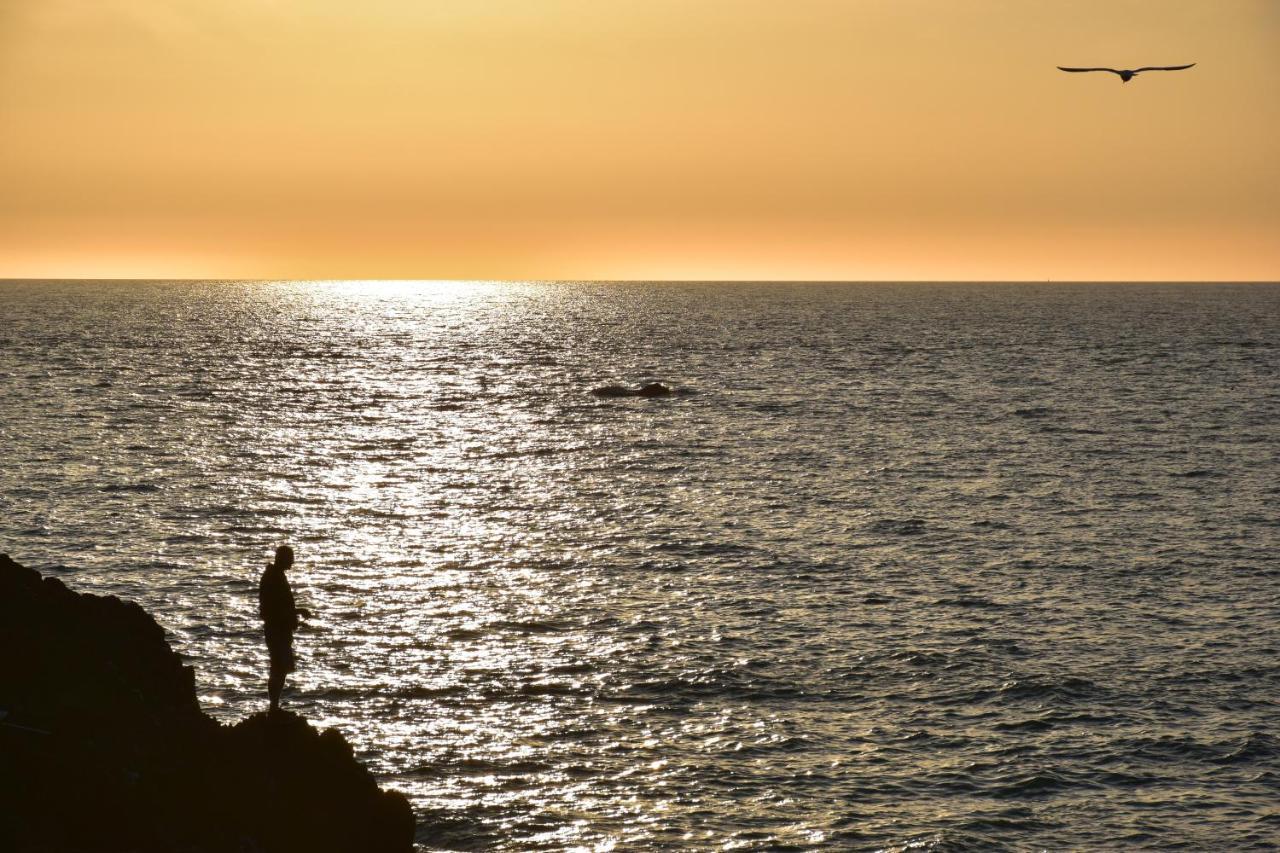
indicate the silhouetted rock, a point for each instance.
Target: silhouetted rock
{"x":649,"y":389}
{"x":104,"y":747}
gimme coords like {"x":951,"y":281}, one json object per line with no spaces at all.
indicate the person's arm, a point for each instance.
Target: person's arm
{"x":299,"y":613}
{"x":288,"y":606}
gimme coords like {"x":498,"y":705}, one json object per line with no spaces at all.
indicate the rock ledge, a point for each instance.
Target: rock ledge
{"x":103,"y":746}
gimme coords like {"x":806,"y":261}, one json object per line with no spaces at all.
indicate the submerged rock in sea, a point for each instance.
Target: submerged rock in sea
{"x":103,"y":746}
{"x":649,"y":389}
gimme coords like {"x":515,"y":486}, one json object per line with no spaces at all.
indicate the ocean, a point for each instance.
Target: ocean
{"x":902,"y":567}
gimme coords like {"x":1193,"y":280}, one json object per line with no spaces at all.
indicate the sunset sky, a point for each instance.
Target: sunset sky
{"x":722,"y":139}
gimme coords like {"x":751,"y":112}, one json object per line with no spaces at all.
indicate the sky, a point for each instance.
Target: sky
{"x":639,"y":139}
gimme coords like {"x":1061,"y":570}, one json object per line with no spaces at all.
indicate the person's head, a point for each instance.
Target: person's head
{"x":284,"y":557}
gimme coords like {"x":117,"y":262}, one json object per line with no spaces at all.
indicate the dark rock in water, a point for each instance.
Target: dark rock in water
{"x":650,"y":389}
{"x":103,"y":746}
{"x":655,"y":389}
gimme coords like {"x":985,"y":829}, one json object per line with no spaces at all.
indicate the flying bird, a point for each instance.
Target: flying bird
{"x":1128,"y":74}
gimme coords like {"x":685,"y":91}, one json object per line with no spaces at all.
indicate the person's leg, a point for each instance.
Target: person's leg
{"x":275,"y":684}
{"x":280,"y":650}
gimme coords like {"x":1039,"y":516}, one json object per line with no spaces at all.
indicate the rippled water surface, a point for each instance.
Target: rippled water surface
{"x":916,"y":567}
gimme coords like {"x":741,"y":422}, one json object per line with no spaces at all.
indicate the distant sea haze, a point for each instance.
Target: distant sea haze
{"x":903,"y":567}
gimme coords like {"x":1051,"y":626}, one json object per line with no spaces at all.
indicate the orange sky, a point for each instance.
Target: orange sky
{"x":832,"y":139}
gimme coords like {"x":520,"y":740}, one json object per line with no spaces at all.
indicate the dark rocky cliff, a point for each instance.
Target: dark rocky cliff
{"x":103,"y":746}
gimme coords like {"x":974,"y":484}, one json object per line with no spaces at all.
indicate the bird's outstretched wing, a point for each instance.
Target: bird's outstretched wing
{"x":1163,"y":68}
{"x":1112,"y":70}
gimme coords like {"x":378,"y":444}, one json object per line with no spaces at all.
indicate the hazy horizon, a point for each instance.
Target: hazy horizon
{"x":798,"y":281}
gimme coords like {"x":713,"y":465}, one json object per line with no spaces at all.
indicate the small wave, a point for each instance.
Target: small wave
{"x":384,"y":445}
{"x":713,"y":683}
{"x":1254,"y":746}
{"x":969,"y":601}
{"x":998,"y":644}
{"x":948,"y":842}
{"x":370,"y":512}
{"x":252,"y":528}
{"x":184,"y":538}
{"x":1035,"y":724}
{"x":1032,"y":785}
{"x":1072,"y":430}
{"x":1038,"y":688}
{"x":571,"y":669}
{"x":422,"y":692}
{"x":134,"y":488}
{"x":899,"y":526}
{"x":446,"y":768}
{"x":532,"y":452}
{"x":1118,"y":779}
{"x":775,"y":744}
{"x":551,"y":688}
{"x":442,"y":829}
{"x":533,"y":626}
{"x":703,"y":549}
{"x":1244,"y":344}
{"x":920,"y":658}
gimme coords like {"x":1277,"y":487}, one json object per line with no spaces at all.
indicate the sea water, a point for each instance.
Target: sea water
{"x":905,"y":567}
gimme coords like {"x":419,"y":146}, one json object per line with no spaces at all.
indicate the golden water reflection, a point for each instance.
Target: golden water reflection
{"x":906,"y":569}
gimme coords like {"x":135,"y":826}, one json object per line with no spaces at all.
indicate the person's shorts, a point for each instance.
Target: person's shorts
{"x":280,"y":647}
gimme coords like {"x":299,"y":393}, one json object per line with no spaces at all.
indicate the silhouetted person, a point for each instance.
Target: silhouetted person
{"x":279,"y":620}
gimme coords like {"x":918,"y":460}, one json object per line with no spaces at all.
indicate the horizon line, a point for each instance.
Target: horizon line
{"x":272,"y":279}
